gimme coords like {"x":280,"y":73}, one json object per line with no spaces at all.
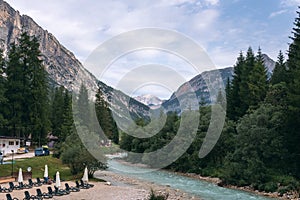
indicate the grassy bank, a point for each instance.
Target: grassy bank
{"x":37,"y":165}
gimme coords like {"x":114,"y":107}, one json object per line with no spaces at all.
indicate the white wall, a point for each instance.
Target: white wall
{"x":6,"y":147}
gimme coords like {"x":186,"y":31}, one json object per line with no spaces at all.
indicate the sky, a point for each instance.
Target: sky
{"x":222,"y":28}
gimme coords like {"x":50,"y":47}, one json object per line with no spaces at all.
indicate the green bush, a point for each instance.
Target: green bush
{"x":283,"y":190}
{"x":153,"y":196}
{"x":270,"y":187}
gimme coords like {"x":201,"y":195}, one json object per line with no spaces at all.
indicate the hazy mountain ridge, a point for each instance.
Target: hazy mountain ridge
{"x":200,"y":88}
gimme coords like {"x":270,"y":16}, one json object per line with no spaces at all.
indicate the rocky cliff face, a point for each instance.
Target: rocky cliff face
{"x":199,"y":87}
{"x":60,"y":63}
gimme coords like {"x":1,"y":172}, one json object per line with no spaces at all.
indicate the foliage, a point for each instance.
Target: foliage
{"x":77,"y":157}
{"x":105,"y":118}
{"x":73,"y":148}
{"x":292,"y":128}
{"x":258,"y":147}
{"x":249,"y":85}
{"x":62,"y":117}
{"x":27,"y":90}
{"x":280,"y":70}
{"x":3,"y":99}
{"x":153,"y":196}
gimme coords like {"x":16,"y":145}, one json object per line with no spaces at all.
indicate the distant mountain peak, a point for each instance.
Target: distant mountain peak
{"x":269,"y":63}
{"x":149,"y":100}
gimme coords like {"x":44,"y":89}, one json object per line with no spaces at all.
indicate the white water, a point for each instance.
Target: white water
{"x":202,"y":189}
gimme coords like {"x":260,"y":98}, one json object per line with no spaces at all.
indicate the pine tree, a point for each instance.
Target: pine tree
{"x":244,"y":85}
{"x":83,"y":107}
{"x":233,"y":93}
{"x":105,"y":118}
{"x":27,"y":90}
{"x":280,"y":71}
{"x":14,"y":92}
{"x":293,"y":118}
{"x":67,"y":117}
{"x":39,"y":105}
{"x":257,"y":82}
{"x":57,"y":111}
{"x":3,"y":100}
{"x":228,"y":97}
{"x":221,"y":99}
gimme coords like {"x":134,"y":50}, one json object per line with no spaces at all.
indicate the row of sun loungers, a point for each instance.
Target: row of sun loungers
{"x":43,"y":195}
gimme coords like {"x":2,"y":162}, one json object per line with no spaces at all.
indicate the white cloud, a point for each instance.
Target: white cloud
{"x":275,"y":14}
{"x":212,"y":2}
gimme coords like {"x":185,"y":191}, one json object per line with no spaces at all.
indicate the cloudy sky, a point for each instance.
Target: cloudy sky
{"x":221,"y":27}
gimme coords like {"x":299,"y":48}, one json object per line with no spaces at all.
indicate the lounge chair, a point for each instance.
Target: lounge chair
{"x":86,"y":184}
{"x":33,"y":184}
{"x":64,"y":192}
{"x":31,"y":197}
{"x":8,"y":197}
{"x":71,"y":189}
{"x":81,"y":186}
{"x":53,"y":193}
{"x":38,"y":180}
{"x":24,"y":186}
{"x":43,"y":195}
{"x":4,"y":189}
{"x":12,"y":186}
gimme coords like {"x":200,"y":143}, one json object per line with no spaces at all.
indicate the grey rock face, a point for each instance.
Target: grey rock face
{"x":60,"y":63}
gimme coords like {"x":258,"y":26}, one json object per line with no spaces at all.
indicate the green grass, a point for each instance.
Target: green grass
{"x":37,"y":165}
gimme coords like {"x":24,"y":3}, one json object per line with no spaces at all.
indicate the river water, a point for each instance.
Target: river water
{"x":202,"y":189}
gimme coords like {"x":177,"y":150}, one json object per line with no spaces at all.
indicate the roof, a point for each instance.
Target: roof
{"x":10,"y":137}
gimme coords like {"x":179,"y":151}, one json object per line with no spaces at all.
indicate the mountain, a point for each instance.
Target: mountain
{"x":64,"y":69}
{"x":150,"y":100}
{"x":269,"y":63}
{"x":60,"y":63}
{"x":199,"y":87}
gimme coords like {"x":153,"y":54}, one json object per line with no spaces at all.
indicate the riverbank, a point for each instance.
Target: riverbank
{"x":140,"y":186}
{"x":217,"y":181}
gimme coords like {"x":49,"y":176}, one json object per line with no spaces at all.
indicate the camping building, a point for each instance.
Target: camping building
{"x":9,"y":144}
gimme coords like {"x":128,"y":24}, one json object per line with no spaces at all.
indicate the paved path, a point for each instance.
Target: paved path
{"x":18,"y":156}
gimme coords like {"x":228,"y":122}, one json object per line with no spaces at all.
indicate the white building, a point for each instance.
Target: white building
{"x":9,"y":144}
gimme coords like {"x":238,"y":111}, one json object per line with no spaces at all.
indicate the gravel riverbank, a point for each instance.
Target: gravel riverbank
{"x":133,"y":185}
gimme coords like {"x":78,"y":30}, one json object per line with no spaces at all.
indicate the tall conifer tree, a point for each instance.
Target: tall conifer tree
{"x":293,"y":117}
{"x":2,"y":96}
{"x":233,"y":96}
{"x":280,"y":71}
{"x":257,"y":82}
{"x":27,"y":90}
{"x":105,"y":117}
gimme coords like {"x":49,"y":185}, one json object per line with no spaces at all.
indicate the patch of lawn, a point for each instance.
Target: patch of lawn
{"x":37,"y":165}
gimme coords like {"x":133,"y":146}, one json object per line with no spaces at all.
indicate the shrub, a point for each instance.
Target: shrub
{"x":270,"y":187}
{"x":153,"y":196}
